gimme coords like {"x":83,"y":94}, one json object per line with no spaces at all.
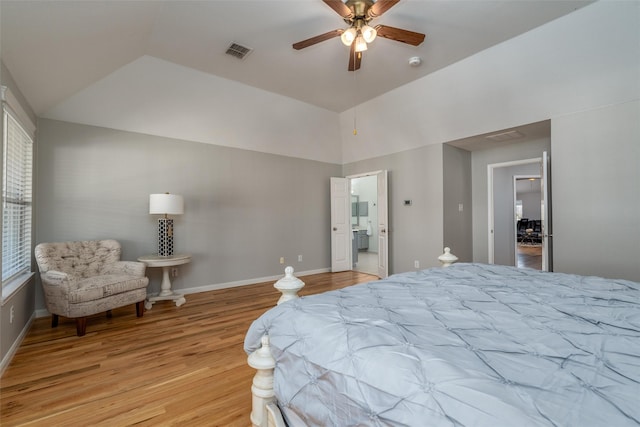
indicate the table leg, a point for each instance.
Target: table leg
{"x":165,"y":287}
{"x":165,"y":292}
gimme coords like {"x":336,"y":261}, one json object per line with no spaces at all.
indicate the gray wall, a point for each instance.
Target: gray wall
{"x":457,"y":229}
{"x":479,"y":162}
{"x":415,"y":232}
{"x":243,"y":209}
{"x":530,"y":203}
{"x":597,"y":231}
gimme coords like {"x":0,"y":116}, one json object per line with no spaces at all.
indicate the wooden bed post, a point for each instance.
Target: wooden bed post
{"x":447,"y":258}
{"x":262,"y":388}
{"x":264,"y":408}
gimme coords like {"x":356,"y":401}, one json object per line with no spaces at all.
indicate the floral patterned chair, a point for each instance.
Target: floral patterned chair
{"x":80,"y":279}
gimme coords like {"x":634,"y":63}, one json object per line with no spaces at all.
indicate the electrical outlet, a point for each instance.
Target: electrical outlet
{"x":174,"y":272}
{"x":416,"y":264}
{"x":299,"y":258}
{"x":281,"y":260}
{"x":11,"y":314}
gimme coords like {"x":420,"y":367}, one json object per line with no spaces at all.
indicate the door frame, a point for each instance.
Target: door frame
{"x":515,"y":220}
{"x":490,"y":196}
{"x":383,"y":245}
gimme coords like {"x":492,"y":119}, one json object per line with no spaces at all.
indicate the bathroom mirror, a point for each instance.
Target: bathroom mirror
{"x":354,"y":210}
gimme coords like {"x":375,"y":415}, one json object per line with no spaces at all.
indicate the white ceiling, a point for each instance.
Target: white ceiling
{"x":55,"y":49}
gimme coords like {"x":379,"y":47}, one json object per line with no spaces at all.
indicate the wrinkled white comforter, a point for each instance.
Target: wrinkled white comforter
{"x":469,"y":345}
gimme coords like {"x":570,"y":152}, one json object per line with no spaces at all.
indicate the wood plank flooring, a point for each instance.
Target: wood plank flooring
{"x":530,"y":257}
{"x":173,"y":366}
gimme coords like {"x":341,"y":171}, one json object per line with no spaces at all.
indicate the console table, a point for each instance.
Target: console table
{"x":166,"y":262}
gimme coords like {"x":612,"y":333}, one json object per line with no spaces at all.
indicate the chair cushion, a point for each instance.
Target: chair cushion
{"x":98,"y":287}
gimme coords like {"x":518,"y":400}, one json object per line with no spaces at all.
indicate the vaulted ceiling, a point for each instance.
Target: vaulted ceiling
{"x":56,"y":49}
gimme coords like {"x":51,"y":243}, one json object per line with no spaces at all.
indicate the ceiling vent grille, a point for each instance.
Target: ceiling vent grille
{"x":505,"y":136}
{"x":238,"y":51}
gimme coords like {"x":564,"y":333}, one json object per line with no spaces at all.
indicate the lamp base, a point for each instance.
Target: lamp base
{"x":165,"y":237}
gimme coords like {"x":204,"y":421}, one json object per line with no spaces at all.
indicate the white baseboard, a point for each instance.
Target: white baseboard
{"x":16,"y":344}
{"x":42,"y":312}
{"x":217,"y":286}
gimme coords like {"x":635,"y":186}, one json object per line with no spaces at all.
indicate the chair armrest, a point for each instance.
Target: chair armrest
{"x":57,"y":285}
{"x":130,"y":268}
{"x":56,"y":278}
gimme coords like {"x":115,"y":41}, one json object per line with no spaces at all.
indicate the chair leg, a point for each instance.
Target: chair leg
{"x":140,"y":308}
{"x":81,"y":326}
{"x":54,"y":320}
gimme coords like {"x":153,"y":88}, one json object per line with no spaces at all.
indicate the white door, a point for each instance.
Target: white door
{"x":545,"y":214}
{"x":341,"y":234}
{"x":383,"y":226}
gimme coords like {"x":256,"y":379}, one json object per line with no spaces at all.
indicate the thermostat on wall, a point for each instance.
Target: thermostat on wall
{"x":407,"y":202}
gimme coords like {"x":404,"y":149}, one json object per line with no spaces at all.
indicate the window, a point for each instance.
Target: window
{"x":17,"y":169}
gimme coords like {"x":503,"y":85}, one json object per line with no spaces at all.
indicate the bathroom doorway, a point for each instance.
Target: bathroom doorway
{"x":364,"y":220}
{"x":360,"y":209}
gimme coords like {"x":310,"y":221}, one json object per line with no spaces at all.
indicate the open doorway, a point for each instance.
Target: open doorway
{"x":505,"y":231}
{"x":364,"y":218}
{"x":350,"y":215}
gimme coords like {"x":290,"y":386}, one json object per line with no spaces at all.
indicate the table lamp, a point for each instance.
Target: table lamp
{"x":165,"y":204}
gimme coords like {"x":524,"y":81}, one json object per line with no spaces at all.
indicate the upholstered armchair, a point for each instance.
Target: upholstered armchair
{"x":81,"y":279}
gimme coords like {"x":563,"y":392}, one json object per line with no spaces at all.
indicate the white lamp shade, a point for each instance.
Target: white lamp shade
{"x":368,"y":33}
{"x":361,"y":45}
{"x":348,"y":36}
{"x":166,"y":204}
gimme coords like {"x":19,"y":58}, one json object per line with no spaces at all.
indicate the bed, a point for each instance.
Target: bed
{"x":468,"y":345}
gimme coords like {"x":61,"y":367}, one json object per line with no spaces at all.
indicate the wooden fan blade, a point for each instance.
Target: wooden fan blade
{"x":354,"y":58}
{"x":380,"y":7}
{"x":317,"y":39}
{"x":400,"y":35}
{"x":340,"y":8}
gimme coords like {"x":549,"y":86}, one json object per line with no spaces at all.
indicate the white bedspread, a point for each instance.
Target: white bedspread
{"x":469,"y":345}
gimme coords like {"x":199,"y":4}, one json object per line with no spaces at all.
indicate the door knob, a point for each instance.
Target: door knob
{"x":335,"y":228}
{"x":383,"y":231}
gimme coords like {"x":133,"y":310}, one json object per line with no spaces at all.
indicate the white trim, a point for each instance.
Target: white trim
{"x":490,"y":168}
{"x":42,"y":312}
{"x":218,"y":286}
{"x":362,"y":175}
{"x":6,"y":360}
{"x":515,"y":221}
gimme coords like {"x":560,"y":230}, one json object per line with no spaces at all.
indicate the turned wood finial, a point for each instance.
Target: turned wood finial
{"x":262,"y":387}
{"x":289,"y":285}
{"x":447,"y":258}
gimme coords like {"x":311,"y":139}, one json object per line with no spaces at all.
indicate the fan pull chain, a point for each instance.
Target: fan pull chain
{"x":355,"y":96}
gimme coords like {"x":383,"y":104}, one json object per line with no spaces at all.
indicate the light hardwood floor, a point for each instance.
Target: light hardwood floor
{"x":174,"y":366}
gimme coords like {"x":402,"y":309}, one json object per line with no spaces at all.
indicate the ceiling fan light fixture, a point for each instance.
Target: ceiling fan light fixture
{"x":361,"y":44}
{"x":368,"y":33}
{"x":348,"y":36}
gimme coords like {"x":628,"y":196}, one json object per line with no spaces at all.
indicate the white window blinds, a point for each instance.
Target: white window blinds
{"x":16,"y":198}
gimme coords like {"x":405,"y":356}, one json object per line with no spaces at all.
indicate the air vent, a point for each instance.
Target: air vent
{"x":238,"y":51}
{"x":505,"y":136}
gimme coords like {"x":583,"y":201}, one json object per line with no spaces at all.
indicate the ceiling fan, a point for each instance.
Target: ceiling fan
{"x":358,"y":14}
